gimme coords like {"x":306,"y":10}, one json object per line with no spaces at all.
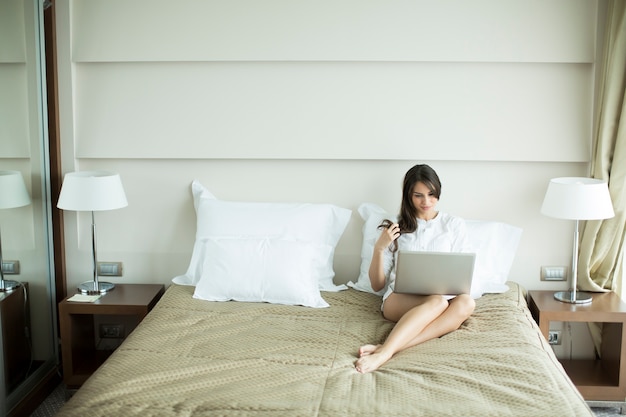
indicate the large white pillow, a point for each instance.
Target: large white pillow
{"x":321,"y":224}
{"x":494,"y":243}
{"x":259,"y":270}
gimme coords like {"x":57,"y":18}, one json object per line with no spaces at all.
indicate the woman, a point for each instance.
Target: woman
{"x":420,"y":227}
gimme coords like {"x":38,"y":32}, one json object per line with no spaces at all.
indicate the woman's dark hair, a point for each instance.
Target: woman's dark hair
{"x":406,"y":219}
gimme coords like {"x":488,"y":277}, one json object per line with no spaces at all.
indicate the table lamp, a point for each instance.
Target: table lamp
{"x":576,"y":198}
{"x":13,"y":194}
{"x":92,"y":191}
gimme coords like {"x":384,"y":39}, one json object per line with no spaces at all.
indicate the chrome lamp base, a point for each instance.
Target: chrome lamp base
{"x":7,"y":285}
{"x":89,"y":288}
{"x":573,"y":298}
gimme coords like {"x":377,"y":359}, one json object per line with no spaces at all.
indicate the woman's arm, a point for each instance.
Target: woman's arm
{"x":377,"y":266}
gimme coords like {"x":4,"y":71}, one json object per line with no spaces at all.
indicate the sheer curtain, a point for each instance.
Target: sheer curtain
{"x":601,"y":256}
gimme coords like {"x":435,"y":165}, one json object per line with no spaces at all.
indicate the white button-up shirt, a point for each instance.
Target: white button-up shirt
{"x":444,"y":233}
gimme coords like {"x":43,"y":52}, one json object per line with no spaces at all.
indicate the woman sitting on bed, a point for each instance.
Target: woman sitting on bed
{"x":421,"y":227}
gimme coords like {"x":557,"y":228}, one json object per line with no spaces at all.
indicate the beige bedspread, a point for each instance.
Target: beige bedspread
{"x":191,"y":357}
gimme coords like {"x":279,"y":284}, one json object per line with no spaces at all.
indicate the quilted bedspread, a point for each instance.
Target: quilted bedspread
{"x":193,"y":358}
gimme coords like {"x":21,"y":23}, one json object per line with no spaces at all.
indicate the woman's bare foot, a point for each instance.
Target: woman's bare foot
{"x":367,"y":350}
{"x":371,"y":362}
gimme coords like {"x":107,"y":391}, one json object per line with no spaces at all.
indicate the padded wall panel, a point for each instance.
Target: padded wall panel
{"x":334,"y":110}
{"x":12,"y":34}
{"x":347,"y":30}
{"x":14,"y":131}
{"x":14,"y":115}
{"x":154,"y":235}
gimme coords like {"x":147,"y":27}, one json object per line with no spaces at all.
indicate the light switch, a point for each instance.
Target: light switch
{"x":110,"y":269}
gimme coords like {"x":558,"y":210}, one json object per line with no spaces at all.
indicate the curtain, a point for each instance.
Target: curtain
{"x":602,"y":241}
{"x":601,"y":257}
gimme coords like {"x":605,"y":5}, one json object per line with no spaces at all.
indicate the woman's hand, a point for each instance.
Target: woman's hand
{"x":376,"y":271}
{"x":391,"y":233}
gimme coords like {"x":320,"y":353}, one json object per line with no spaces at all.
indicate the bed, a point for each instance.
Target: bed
{"x":190,"y":357}
{"x":258,"y":327}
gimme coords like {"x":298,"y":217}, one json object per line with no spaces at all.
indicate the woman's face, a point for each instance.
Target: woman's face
{"x":424,"y":202}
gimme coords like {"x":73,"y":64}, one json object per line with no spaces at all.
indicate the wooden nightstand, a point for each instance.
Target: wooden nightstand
{"x":598,"y":380}
{"x":90,"y":332}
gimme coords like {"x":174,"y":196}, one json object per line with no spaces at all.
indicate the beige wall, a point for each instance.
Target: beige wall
{"x":322,"y":101}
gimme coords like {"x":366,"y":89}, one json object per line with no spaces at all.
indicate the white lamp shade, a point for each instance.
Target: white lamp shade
{"x":577,"y":198}
{"x":13,"y":192}
{"x":92,"y":191}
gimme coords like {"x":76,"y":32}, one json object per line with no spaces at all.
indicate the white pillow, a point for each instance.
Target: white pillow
{"x":259,"y":270}
{"x":373,"y":216}
{"x":322,"y":224}
{"x":494,"y":243}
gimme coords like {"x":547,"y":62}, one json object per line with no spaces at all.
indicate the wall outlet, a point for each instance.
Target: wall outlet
{"x":112,"y":331}
{"x":554,"y":337}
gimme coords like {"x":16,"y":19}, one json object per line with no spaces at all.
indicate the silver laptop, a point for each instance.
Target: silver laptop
{"x":446,"y":273}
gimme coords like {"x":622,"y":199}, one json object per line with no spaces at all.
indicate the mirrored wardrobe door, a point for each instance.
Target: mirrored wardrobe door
{"x":27,"y":291}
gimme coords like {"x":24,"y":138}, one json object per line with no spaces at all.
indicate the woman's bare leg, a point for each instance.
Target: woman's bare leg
{"x":413,"y":314}
{"x":415,"y":324}
{"x":460,"y":308}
